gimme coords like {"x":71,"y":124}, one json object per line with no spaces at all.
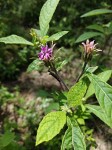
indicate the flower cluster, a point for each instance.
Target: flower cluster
{"x":89,"y":47}
{"x":46,"y":53}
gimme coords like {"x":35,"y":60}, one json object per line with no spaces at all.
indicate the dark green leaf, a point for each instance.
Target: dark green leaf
{"x":96,"y":27}
{"x":97,"y":12}
{"x":57,"y":36}
{"x":36,"y":65}
{"x":52,"y":107}
{"x":6,"y":139}
{"x":87,"y":35}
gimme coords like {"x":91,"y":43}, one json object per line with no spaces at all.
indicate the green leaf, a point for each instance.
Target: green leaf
{"x":91,"y":69}
{"x":14,"y":39}
{"x":60,"y":65}
{"x":46,"y":14}
{"x":36,"y":65}
{"x":52,"y":107}
{"x":14,"y":146}
{"x":103,"y":76}
{"x":67,"y":139}
{"x":50,"y":126}
{"x":78,"y":139}
{"x":37,"y":32}
{"x":110,"y":27}
{"x":98,"y":111}
{"x":6,"y":139}
{"x":96,"y":27}
{"x":87,"y":35}
{"x":103,"y":92}
{"x":76,"y":93}
{"x":57,"y":36}
{"x":97,"y":12}
{"x":73,"y":137}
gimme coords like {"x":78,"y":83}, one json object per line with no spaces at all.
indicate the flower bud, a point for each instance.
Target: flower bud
{"x":89,"y":47}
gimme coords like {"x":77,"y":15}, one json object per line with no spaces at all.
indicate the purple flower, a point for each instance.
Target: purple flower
{"x":46,"y":53}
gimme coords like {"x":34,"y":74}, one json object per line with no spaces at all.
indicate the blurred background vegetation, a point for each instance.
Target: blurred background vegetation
{"x":18,"y":17}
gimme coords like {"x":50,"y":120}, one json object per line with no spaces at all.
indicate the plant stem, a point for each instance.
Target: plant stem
{"x":83,"y":69}
{"x":56,"y":75}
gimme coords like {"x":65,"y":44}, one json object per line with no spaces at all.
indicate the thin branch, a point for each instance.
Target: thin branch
{"x":83,"y":69}
{"x":56,"y":75}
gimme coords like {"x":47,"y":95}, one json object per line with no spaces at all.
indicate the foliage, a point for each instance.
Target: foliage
{"x":76,"y":93}
{"x":18,"y":16}
{"x":66,"y":116}
{"x":50,"y":126}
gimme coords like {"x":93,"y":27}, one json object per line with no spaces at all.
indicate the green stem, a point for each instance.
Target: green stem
{"x":83,"y":69}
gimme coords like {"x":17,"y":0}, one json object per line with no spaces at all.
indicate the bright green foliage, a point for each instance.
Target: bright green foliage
{"x":57,"y":36}
{"x":50,"y":126}
{"x":14,"y":39}
{"x":76,"y":93}
{"x":46,"y":14}
{"x":97,"y":12}
{"x":6,"y":139}
{"x":87,"y":35}
{"x":92,"y":69}
{"x":67,"y":139}
{"x":103,"y":76}
{"x":103,"y":92}
{"x":36,"y":65}
{"x":98,"y":111}
{"x":77,"y":137}
{"x":73,"y":137}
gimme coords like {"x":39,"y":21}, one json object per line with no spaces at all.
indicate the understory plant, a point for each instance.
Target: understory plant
{"x":74,"y":108}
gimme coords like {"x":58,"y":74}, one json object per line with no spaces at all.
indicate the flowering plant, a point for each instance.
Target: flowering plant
{"x":72,"y":100}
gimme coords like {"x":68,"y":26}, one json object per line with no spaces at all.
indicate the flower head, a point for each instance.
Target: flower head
{"x":89,"y":47}
{"x":46,"y":53}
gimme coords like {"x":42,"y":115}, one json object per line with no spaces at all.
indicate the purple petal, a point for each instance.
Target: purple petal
{"x":41,"y":56}
{"x":46,"y":56}
{"x":49,"y":50}
{"x":44,"y":48}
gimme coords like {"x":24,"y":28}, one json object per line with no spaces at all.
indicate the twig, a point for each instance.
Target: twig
{"x":82,"y":72}
{"x":55,"y":74}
